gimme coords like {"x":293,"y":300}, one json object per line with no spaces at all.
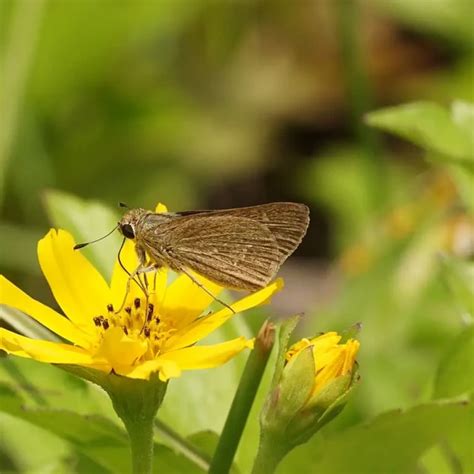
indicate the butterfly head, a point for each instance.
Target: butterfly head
{"x":128,"y":224}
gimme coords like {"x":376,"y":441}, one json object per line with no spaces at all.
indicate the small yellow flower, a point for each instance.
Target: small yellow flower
{"x":146,"y":336}
{"x":312,"y":384}
{"x":331,"y":359}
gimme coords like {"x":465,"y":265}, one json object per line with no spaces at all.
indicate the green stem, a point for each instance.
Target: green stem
{"x":243,"y":400}
{"x":136,"y":403}
{"x":270,"y":453}
{"x":141,"y":444}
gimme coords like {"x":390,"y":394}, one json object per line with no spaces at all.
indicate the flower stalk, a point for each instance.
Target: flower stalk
{"x":243,"y":400}
{"x":136,"y":402}
{"x":270,"y":452}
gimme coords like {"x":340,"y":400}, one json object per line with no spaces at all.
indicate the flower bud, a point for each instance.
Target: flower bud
{"x":316,"y":379}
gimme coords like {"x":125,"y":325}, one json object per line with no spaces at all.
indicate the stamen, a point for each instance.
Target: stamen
{"x":110,"y":308}
{"x":125,"y":330}
{"x":105,"y":324}
{"x":157,"y":320}
{"x":98,"y":320}
{"x":149,"y":316}
{"x":146,"y":331}
{"x":128,"y":310}
{"x":136,"y":302}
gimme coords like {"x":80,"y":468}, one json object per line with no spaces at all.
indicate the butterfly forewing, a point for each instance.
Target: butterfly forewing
{"x":235,"y":252}
{"x":287,"y":221}
{"x":240,"y":248}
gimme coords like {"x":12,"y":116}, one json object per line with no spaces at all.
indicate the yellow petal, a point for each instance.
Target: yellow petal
{"x":120,"y":350}
{"x":326,"y":341}
{"x":77,"y":286}
{"x":158,"y":287}
{"x":12,"y":296}
{"x":323,"y":346}
{"x":160,"y":208}
{"x":205,"y":325}
{"x":205,"y":357}
{"x":170,"y":365}
{"x":352,"y":348}
{"x":166,"y":369}
{"x":336,"y":361}
{"x":184,"y":300}
{"x":45,"y":351}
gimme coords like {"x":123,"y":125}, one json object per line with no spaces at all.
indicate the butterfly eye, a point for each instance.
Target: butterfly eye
{"x":127,"y":231}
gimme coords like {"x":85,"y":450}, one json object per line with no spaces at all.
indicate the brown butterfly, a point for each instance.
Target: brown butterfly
{"x":241,"y":248}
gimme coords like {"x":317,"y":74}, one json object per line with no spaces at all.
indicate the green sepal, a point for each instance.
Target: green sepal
{"x":274,"y":396}
{"x":285,"y":332}
{"x":132,"y":398}
{"x":322,"y":408}
{"x":293,"y":391}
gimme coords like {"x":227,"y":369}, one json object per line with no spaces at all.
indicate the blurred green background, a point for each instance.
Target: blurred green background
{"x":213,"y":104}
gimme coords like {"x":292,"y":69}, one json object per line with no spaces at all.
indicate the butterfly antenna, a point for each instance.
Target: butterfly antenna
{"x":85,"y":244}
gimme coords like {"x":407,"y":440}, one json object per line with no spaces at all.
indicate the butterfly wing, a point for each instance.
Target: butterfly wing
{"x":235,"y":252}
{"x":287,"y":221}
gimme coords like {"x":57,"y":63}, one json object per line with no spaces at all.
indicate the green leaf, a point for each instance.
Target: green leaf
{"x":19,"y":248}
{"x":86,"y":220}
{"x":95,"y":437}
{"x":392,"y":443}
{"x":43,"y":385}
{"x":169,"y":462}
{"x":456,"y":371}
{"x":455,"y":376}
{"x":464,"y":180}
{"x":459,"y":275}
{"x":98,"y":441}
{"x":430,"y":126}
{"x":449,"y":19}
{"x":206,"y":441}
{"x":463,"y":116}
{"x":27,"y":456}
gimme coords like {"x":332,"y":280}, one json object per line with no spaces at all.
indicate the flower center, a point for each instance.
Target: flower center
{"x":140,"y":321}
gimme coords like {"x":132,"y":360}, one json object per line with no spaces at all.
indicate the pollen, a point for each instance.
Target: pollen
{"x":140,"y":321}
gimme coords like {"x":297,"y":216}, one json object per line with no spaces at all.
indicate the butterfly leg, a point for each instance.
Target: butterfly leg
{"x":198,"y":283}
{"x":135,"y":277}
{"x":131,"y":277}
{"x":143,"y":270}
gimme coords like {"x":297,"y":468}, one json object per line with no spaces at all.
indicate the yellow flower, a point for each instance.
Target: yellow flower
{"x":331,"y":359}
{"x":312,"y":384}
{"x":146,"y":336}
